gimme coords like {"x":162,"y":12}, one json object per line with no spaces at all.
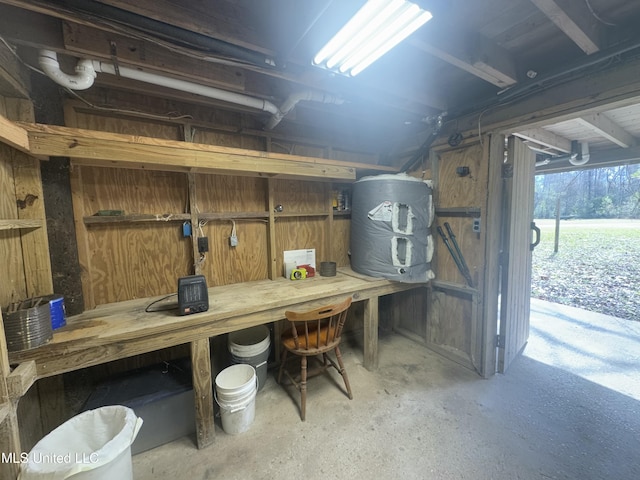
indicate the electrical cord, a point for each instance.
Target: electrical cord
{"x":158,"y":301}
{"x":597,"y":17}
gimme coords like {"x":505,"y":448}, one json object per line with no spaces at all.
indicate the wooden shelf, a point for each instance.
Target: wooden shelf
{"x":341,"y":213}
{"x":232,"y":215}
{"x":171,"y":217}
{"x":458,"y":212}
{"x":16,"y":224}
{"x":103,"y":149}
{"x":301,"y":214}
{"x":138,"y":218}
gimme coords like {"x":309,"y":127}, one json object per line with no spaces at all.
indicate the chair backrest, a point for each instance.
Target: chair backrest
{"x":318,"y":329}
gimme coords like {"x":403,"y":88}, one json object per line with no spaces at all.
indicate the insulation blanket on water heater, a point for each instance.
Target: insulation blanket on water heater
{"x":391,"y":217}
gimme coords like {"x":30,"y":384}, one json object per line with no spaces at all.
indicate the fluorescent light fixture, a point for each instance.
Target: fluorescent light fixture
{"x":374,"y":30}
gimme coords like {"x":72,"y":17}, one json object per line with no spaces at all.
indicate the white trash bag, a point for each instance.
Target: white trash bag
{"x":94,"y":445}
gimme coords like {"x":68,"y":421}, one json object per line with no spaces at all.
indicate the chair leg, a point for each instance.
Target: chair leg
{"x":282,"y":362}
{"x":303,"y":387}
{"x":343,"y":372}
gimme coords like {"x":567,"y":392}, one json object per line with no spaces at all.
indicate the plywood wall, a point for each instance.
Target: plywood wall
{"x":454,"y":319}
{"x":24,"y":254}
{"x":130,"y":260}
{"x":12,"y":282}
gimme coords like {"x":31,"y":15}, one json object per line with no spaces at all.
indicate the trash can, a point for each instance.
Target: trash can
{"x":251,"y":346}
{"x":94,"y":445}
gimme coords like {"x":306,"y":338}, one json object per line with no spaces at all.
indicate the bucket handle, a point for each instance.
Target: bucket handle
{"x":234,"y":408}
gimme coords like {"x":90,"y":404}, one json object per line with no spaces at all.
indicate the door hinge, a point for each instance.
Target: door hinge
{"x":507,"y":170}
{"x":499,"y":341}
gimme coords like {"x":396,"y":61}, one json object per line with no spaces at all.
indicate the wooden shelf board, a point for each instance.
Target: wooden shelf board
{"x":13,"y":135}
{"x":15,"y":224}
{"x":458,"y":212}
{"x":232,"y":215}
{"x":170,"y":217}
{"x":136,"y":218}
{"x":301,"y":214}
{"x":130,"y":151}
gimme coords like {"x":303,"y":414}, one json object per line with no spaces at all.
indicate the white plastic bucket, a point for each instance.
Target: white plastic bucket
{"x":251,"y":346}
{"x":235,"y":393}
{"x":94,"y":445}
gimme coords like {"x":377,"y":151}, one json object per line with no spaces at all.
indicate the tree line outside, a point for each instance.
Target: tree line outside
{"x":610,"y":192}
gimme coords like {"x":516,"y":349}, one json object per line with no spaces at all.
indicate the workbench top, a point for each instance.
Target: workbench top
{"x":113,"y":331}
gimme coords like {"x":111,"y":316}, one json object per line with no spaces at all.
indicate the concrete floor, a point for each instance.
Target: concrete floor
{"x":555,"y":414}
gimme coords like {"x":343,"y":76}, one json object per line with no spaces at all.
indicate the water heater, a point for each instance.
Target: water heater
{"x":391,"y":220}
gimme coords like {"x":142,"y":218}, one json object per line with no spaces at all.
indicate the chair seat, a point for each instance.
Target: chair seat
{"x":317,"y":332}
{"x":313,"y":347}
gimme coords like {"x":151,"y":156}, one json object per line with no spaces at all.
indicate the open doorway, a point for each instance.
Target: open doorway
{"x":589,"y":253}
{"x":585,"y":296}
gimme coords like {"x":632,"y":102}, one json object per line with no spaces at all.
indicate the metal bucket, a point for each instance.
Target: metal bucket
{"x":27,"y":324}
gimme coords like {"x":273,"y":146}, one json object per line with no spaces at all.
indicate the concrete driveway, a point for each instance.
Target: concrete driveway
{"x":596,"y":347}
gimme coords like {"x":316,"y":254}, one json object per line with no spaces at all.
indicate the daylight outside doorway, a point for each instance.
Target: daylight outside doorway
{"x":585,"y":295}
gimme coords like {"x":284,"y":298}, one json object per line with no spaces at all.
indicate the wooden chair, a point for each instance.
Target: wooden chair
{"x":313,"y":333}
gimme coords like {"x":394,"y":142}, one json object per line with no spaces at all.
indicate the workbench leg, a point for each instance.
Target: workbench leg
{"x":371,"y":333}
{"x":53,"y":411}
{"x":202,"y":392}
{"x":10,"y":442}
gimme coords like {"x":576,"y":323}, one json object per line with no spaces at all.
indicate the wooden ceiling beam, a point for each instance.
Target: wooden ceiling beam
{"x":391,"y":95}
{"x":88,"y":147}
{"x":600,"y":91}
{"x":468,"y":51}
{"x":598,"y":159}
{"x":13,"y":135}
{"x":545,"y":138}
{"x":575,"y":20}
{"x":607,"y":128}
{"x":219,"y":20}
{"x":109,"y":46}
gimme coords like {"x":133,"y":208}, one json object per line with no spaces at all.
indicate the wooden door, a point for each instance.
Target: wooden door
{"x":454,"y":326}
{"x":518,"y":174}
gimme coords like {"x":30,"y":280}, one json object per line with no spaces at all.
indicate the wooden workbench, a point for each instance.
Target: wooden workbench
{"x":114,"y":331}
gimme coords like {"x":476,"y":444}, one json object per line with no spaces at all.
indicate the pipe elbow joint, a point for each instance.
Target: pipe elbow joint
{"x":84,"y":76}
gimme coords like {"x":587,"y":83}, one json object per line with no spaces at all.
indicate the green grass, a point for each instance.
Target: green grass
{"x":596,"y":268}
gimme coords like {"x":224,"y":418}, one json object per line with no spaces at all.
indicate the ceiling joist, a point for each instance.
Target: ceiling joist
{"x":575,"y":21}
{"x":607,"y":128}
{"x":600,"y":159}
{"x":470,"y":52}
{"x":546,"y":138}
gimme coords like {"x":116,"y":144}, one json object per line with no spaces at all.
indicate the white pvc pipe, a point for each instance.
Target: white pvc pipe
{"x":86,"y":74}
{"x":584,"y":156}
{"x":189,"y":87}
{"x":293,"y":99}
{"x":83,"y":78}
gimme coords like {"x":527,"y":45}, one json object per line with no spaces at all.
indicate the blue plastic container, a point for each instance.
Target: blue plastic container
{"x":58,"y":316}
